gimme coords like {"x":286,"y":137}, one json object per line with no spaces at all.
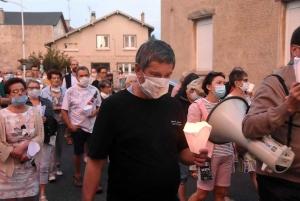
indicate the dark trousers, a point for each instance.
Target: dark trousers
{"x":275,"y":189}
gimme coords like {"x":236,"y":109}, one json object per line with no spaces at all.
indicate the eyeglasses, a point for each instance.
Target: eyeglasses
{"x":74,"y":64}
{"x":103,"y":72}
{"x":7,"y":73}
{"x":35,"y":70}
{"x":107,"y":87}
{"x":32,"y":88}
{"x":245,"y":80}
{"x":55,"y":78}
{"x":15,"y":91}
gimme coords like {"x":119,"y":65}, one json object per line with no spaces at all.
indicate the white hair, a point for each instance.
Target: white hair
{"x":128,"y":76}
{"x":7,"y":67}
{"x":197,"y":86}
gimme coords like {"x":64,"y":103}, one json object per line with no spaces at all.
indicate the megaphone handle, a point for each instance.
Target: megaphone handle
{"x":264,"y":167}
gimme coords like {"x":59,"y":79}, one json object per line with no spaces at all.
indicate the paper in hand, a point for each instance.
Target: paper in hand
{"x":33,"y":148}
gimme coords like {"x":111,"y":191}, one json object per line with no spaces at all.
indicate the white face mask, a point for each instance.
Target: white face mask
{"x":155,"y":87}
{"x":19,"y":76}
{"x":104,"y":95}
{"x":194,"y":96}
{"x":94,"y":74}
{"x":245,"y":86}
{"x":84,"y":81}
{"x":34,"y":93}
{"x":44,"y":77}
{"x":57,"y":89}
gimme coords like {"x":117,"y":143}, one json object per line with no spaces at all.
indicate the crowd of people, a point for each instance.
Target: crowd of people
{"x":140,"y":129}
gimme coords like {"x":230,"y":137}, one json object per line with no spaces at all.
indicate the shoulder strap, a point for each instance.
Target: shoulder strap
{"x":202,"y":107}
{"x":290,"y":124}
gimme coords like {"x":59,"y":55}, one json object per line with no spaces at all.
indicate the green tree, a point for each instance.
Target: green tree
{"x":152,"y":36}
{"x":53,"y":59}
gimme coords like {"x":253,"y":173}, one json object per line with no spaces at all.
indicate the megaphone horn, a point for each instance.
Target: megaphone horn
{"x":226,"y":121}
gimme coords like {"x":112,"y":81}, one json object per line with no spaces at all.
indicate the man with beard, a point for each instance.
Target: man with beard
{"x":70,"y":79}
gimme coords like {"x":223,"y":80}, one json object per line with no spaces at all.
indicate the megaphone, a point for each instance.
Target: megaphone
{"x":226,"y":121}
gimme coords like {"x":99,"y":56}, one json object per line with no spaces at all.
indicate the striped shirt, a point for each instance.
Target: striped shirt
{"x":220,"y":149}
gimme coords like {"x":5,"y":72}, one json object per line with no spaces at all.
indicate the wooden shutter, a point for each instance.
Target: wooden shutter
{"x":204,"y":44}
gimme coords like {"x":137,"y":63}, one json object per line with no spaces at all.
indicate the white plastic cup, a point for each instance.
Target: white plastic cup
{"x":297,"y":68}
{"x":87,"y":110}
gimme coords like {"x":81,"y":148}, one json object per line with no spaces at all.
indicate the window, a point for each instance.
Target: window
{"x":102,"y":42}
{"x":204,"y":44}
{"x":292,"y":22}
{"x":126,"y":67}
{"x":129,"y":42}
{"x":71,"y":46}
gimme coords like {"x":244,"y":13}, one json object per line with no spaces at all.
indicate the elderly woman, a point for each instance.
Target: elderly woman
{"x":45,"y":108}
{"x":20,"y":124}
{"x":178,"y":86}
{"x":130,"y":80}
{"x":28,"y":75}
{"x":105,"y":89}
{"x":55,"y":94}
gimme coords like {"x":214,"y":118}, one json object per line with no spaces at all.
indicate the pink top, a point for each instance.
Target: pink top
{"x":197,"y":113}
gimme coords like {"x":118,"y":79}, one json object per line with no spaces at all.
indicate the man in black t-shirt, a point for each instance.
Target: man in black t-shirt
{"x":141,"y":130}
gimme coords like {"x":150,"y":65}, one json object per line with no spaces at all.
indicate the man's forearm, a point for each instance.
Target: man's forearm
{"x":186,"y":157}
{"x":64,"y":116}
{"x":92,"y":176}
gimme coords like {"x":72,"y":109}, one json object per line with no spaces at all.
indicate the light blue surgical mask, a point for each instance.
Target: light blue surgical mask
{"x":7,"y":77}
{"x":28,"y":78}
{"x":19,"y":100}
{"x":220,"y":91}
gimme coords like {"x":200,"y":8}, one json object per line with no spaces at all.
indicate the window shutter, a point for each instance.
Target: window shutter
{"x":292,"y":22}
{"x":204,"y":44}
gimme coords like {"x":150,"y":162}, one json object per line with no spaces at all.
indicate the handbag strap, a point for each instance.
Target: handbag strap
{"x":290,"y":124}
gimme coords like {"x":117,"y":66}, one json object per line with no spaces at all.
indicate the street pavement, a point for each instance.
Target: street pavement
{"x":63,"y":189}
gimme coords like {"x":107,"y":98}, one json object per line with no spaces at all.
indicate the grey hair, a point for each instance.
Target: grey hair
{"x":82,"y":68}
{"x":7,"y":67}
{"x":154,"y":50}
{"x":128,"y":76}
{"x":197,"y":86}
{"x":32,"y":80}
{"x":103,"y":83}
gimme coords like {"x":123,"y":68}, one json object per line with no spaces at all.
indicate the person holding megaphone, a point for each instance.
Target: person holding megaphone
{"x":220,"y":155}
{"x":275,"y":110}
{"x":238,"y":80}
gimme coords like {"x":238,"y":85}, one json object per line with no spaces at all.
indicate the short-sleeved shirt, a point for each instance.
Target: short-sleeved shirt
{"x":142,"y":138}
{"x":76,"y":98}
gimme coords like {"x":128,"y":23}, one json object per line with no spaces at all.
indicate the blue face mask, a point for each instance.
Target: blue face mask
{"x":7,"y":77}
{"x":219,"y":91}
{"x":20,"y":100}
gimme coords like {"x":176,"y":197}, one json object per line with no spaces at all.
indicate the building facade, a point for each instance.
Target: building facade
{"x":111,"y":41}
{"x":217,"y":35}
{"x":39,"y":27}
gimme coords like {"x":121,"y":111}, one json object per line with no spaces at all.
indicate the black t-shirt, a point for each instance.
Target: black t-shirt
{"x":142,"y":138}
{"x":96,"y":83}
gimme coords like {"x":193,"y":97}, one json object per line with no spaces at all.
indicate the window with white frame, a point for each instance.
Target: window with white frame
{"x":71,"y":46}
{"x":204,"y":38}
{"x":292,"y":22}
{"x":102,"y":41}
{"x":129,"y":42}
{"x":127,"y":68}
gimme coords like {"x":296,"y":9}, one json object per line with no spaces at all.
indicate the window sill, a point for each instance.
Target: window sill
{"x":102,"y":49}
{"x":71,"y":50}
{"x":202,"y":72}
{"x":130,"y":49}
